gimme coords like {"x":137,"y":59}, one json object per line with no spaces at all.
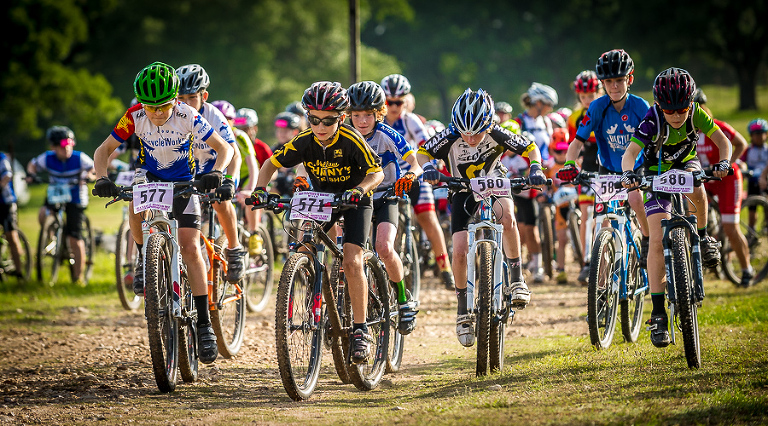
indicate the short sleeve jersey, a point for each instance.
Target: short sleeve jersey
{"x":7,"y":196}
{"x":246,"y":150}
{"x":707,"y":150}
{"x":540,"y":128}
{"x":68,"y":172}
{"x":482,"y":160}
{"x":410,"y":126}
{"x":677,"y":146}
{"x":335,"y":168}
{"x":756,"y":158}
{"x":612,"y":129}
{"x":262,"y":151}
{"x":165,"y":151}
{"x":205,"y":156}
{"x":391,"y":147}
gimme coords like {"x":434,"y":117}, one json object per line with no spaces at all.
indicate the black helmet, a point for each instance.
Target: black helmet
{"x":296,"y":108}
{"x":699,"y":96}
{"x":613,"y":64}
{"x":674,"y":88}
{"x":193,"y":79}
{"x":326,"y":96}
{"x":366,"y":95}
{"x":56,"y":134}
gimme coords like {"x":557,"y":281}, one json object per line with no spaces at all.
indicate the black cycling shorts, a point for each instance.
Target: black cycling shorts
{"x":385,"y":210}
{"x":526,"y":212}
{"x":9,"y":217}
{"x":74,"y":217}
{"x":357,"y":223}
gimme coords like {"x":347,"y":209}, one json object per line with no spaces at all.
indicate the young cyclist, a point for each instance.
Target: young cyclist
{"x":166,"y":129}
{"x":331,"y":147}
{"x":561,"y":195}
{"x":67,"y":169}
{"x":756,"y":158}
{"x":408,"y":124}
{"x":247,"y":120}
{"x":287,"y":127}
{"x":667,"y":138}
{"x":539,"y":101}
{"x":8,"y":212}
{"x":472,"y":146}
{"x":367,"y":109}
{"x":588,"y":88}
{"x":729,"y":189}
{"x":193,"y":90}
{"x":612,"y":119}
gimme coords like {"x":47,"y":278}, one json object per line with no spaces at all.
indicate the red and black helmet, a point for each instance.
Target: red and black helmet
{"x":613,"y":64}
{"x":674,"y":89}
{"x":587,"y":82}
{"x":326,"y":96}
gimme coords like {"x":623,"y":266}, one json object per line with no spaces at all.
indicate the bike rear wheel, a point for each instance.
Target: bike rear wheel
{"x":124,"y":265}
{"x":48,"y":251}
{"x":338,"y":307}
{"x":412,"y":279}
{"x":188,"y":358}
{"x":602,"y":292}
{"x":228,"y":312}
{"x":483,"y":287}
{"x":632,"y":306}
{"x":547,"y":239}
{"x":367,"y":375}
{"x":6,"y":258}
{"x":299,"y":344}
{"x":757,"y":242}
{"x":497,"y":334}
{"x":258,"y":279}
{"x":574,"y":233}
{"x":687,"y":309}
{"x":162,"y":326}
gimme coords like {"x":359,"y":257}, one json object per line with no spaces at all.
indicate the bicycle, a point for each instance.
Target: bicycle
{"x":406,"y":246}
{"x":616,"y":281}
{"x":548,"y":209}
{"x":125,"y":263}
{"x":489,"y":292}
{"x":7,"y":266}
{"x":304,"y":287}
{"x":53,"y":248}
{"x":682,"y":256}
{"x":258,"y":277}
{"x":168,"y":305}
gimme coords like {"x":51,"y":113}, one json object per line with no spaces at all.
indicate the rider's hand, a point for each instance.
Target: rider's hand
{"x":210,"y":180}
{"x":404,"y":184}
{"x":629,"y":179}
{"x":568,"y":172}
{"x":431,"y":175}
{"x":536,"y":177}
{"x":105,"y":188}
{"x":721,"y":169}
{"x":352,"y":196}
{"x":301,"y":184}
{"x":226,"y":190}
{"x":260,"y":196}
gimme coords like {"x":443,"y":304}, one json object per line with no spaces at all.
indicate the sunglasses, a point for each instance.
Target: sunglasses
{"x":395,"y":103}
{"x":159,"y":108}
{"x":329,"y":121}
{"x":680,"y":111}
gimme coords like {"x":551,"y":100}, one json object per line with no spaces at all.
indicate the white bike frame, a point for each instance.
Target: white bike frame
{"x":157,"y":222}
{"x":497,"y":232}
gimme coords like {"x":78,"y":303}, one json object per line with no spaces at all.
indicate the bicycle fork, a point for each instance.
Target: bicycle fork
{"x":499,"y":282}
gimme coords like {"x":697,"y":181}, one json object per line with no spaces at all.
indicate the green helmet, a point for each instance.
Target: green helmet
{"x":156,"y":84}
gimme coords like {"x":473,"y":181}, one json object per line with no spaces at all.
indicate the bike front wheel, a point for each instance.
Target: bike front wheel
{"x":547,"y":239}
{"x":162,"y":326}
{"x":228,"y":312}
{"x":125,"y":254}
{"x":49,"y":250}
{"x":188,"y":360}
{"x":484,"y":288}
{"x":25,"y":262}
{"x":602,"y":291}
{"x":298,"y":337}
{"x":687,"y":308}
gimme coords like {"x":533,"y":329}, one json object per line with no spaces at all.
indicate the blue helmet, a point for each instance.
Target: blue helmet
{"x":473,"y":112}
{"x":757,"y":125}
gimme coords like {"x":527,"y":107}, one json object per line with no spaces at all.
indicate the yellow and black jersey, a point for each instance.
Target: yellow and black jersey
{"x":337,"y":167}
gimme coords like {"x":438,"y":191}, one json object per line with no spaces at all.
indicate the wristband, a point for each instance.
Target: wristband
{"x":535,"y":162}
{"x":569,"y":163}
{"x":228,"y":177}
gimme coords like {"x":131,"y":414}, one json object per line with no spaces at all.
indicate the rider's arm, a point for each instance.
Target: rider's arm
{"x":223,"y":151}
{"x":233,"y":168}
{"x":739,"y":144}
{"x":422,"y":158}
{"x":415,"y":166}
{"x":371,"y":181}
{"x":266,"y":173}
{"x":103,"y":154}
{"x":630,"y":156}
{"x":574,"y":149}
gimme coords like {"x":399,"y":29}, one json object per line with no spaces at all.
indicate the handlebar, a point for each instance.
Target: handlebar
{"x":699,"y":177}
{"x":125,"y":193}
{"x":517,"y":184}
{"x":277,"y":204}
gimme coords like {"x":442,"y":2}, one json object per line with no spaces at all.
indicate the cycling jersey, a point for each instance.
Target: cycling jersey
{"x":755,"y":157}
{"x":411,"y":127}
{"x":707,"y":150}
{"x":205,"y":156}
{"x":677,"y":146}
{"x":7,"y":196}
{"x":728,"y":190}
{"x":589,"y":149}
{"x":391,"y":148}
{"x":337,"y":167}
{"x":481,"y":160}
{"x":612,"y":129}
{"x":69,"y":172}
{"x":246,"y":150}
{"x":166,"y":151}
{"x":541,"y":130}
{"x":261,"y":150}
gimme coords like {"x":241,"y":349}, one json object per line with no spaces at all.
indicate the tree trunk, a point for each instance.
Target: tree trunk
{"x":746,"y":76}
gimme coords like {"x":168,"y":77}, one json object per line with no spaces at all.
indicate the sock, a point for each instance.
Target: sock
{"x":515,"y":270}
{"x":141,"y":247}
{"x":536,"y":261}
{"x":658,"y":300}
{"x":201,"y":304}
{"x":362,"y":326}
{"x":461,"y":295}
{"x":400,"y":286}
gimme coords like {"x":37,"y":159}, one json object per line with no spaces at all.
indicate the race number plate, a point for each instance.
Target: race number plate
{"x":154,"y":195}
{"x":311,"y":205}
{"x":484,"y":187}
{"x":674,"y":182}
{"x":59,"y":193}
{"x":605,"y":190}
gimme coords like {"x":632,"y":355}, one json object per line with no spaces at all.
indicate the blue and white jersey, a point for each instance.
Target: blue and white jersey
{"x":541,"y":130}
{"x":7,"y":196}
{"x":391,"y":148}
{"x":755,"y":157}
{"x":412,"y":129}
{"x":613,"y":129}
{"x":70,"y":172}
{"x":205,"y":156}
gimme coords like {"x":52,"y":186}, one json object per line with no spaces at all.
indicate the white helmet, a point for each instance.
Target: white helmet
{"x":396,"y":85}
{"x":542,"y":92}
{"x":473,"y":112}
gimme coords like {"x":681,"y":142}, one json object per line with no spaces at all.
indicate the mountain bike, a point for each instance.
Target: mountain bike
{"x":682,"y":256}
{"x":168,"y":304}
{"x":7,"y":267}
{"x":125,"y":263}
{"x":616,"y":281}
{"x":310,"y":303}
{"x":548,"y":208}
{"x":489,"y":292}
{"x":53,"y":248}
